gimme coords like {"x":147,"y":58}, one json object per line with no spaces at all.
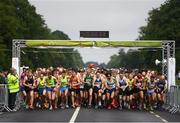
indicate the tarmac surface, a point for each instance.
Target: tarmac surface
{"x":88,"y":115}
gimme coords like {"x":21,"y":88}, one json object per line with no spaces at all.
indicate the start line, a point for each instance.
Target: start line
{"x":88,"y":115}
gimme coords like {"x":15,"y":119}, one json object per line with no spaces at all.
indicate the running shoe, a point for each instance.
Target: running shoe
{"x":27,"y":107}
{"x":51,"y":108}
{"x":96,"y":106}
{"x":14,"y":110}
{"x":120,"y":107}
{"x":37,"y":105}
{"x":129,"y":107}
{"x":144,"y":106}
{"x":55,"y":107}
{"x":67,"y":106}
{"x":85,"y":105}
{"x":62,"y":107}
{"x":113,"y":106}
{"x":109,"y":107}
{"x":89,"y":106}
{"x":140,"y":107}
{"x":155,"y":106}
{"x":77,"y":103}
{"x":31,"y":107}
{"x":24,"y":105}
{"x":73,"y":106}
{"x":151,"y":108}
{"x":100,"y":106}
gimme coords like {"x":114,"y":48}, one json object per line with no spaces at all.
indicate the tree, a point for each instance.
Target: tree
{"x":163,"y":23}
{"x":59,"y":35}
{"x":19,"y":20}
{"x":2,"y":54}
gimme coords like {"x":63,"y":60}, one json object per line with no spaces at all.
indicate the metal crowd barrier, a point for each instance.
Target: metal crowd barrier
{"x":173,"y":99}
{"x":19,"y":101}
{"x":4,"y":98}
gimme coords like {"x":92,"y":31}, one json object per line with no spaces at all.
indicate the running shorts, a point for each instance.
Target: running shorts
{"x":77,"y":91}
{"x":49,"y":89}
{"x":96,"y":89}
{"x":110,"y":91}
{"x":150,"y":92}
{"x":63,"y":89}
{"x":40,"y":91}
{"x":87,"y":87}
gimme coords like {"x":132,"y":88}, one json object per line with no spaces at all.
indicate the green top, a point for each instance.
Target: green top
{"x":41,"y":82}
{"x":88,"y":80}
{"x":50,"y":81}
{"x":64,"y":81}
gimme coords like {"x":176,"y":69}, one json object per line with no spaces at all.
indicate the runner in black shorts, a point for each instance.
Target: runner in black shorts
{"x":138,"y":90}
{"x":161,"y":88}
{"x":88,"y":88}
{"x":122,"y":88}
{"x":29,"y":88}
{"x":97,"y":89}
{"x":130,"y":89}
{"x":75,"y":89}
{"x":81,"y":77}
{"x":111,"y":87}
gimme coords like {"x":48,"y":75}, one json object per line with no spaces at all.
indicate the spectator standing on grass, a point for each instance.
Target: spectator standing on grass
{"x":13,"y":87}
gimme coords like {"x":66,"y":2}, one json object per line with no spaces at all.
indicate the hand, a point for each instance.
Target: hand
{"x":57,"y":86}
{"x":32,"y":87}
{"x":162,"y":92}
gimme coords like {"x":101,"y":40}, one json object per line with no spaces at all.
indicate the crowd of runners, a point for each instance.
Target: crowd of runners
{"x":93,"y":87}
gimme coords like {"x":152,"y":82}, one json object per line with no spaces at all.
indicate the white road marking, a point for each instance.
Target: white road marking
{"x":73,"y":118}
{"x":151,"y":112}
{"x":1,"y":113}
{"x":157,"y":115}
{"x":165,"y":121}
{"x":162,"y":119}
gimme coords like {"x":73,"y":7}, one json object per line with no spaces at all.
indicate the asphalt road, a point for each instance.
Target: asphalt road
{"x":88,"y":115}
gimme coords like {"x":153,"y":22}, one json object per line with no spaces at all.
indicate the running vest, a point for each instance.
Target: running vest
{"x":64,"y":82}
{"x":111,"y":84}
{"x":145,"y":80}
{"x":88,"y":80}
{"x":151,"y":85}
{"x":98,"y":82}
{"x":13,"y":83}
{"x":161,"y":84}
{"x":50,"y":82}
{"x":82,"y":81}
{"x":139,"y":83}
{"x":30,"y":81}
{"x":130,"y":82}
{"x":41,"y":82}
{"x":122,"y":82}
{"x":74,"y":81}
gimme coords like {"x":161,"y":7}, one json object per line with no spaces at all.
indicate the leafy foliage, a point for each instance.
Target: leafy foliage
{"x":19,"y":20}
{"x":163,"y":23}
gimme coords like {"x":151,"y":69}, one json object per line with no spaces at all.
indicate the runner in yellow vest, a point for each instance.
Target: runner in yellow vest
{"x":51,"y":88}
{"x":13,"y":87}
{"x":63,"y":79}
{"x":41,"y":90}
{"x":130,"y":81}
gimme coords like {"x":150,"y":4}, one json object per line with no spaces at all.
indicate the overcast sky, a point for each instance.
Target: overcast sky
{"x":121,"y":17}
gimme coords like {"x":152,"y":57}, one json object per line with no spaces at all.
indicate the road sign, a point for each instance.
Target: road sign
{"x":94,"y":34}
